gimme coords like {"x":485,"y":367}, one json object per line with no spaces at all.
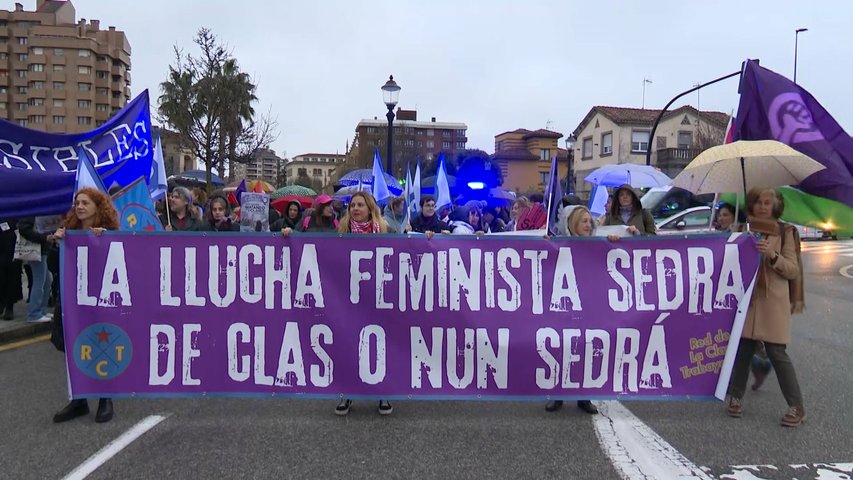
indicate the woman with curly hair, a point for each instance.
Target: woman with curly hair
{"x":93,"y":211}
{"x":362,"y":216}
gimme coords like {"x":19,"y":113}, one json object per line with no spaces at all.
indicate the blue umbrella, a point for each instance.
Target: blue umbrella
{"x":198,"y":176}
{"x":365,"y":176}
{"x":639,"y":176}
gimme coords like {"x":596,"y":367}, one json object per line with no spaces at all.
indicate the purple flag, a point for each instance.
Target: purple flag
{"x":775,"y":108}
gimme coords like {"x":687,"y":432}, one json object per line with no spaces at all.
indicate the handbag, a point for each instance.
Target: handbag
{"x":25,"y":250}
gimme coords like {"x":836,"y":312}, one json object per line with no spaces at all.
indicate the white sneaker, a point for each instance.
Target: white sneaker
{"x":43,"y":319}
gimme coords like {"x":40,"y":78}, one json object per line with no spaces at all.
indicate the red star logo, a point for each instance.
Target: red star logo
{"x":103,"y":336}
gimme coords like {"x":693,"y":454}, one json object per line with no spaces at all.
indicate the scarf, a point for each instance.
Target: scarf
{"x":364,"y":227}
{"x":625,"y":213}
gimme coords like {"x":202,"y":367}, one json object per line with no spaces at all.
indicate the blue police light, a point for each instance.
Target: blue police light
{"x":476,"y":185}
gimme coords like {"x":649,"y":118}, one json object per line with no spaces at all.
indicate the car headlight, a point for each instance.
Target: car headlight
{"x":827,"y":226}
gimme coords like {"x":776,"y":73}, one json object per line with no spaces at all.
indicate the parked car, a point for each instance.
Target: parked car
{"x":690,"y":221}
{"x":809,"y":233}
{"x":664,"y":202}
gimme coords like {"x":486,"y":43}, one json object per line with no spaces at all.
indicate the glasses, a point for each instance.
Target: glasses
{"x":429,"y":205}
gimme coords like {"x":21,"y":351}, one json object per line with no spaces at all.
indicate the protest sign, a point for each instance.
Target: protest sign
{"x":153,"y":314}
{"x":254,"y":212}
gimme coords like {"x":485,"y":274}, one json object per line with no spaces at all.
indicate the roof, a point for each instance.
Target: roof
{"x":623,"y":115}
{"x":369,"y":122}
{"x":320,"y":155}
{"x":51,"y":6}
{"x":542,"y":133}
{"x":517,"y":130}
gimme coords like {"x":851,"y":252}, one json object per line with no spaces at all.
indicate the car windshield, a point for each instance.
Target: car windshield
{"x":652,"y":198}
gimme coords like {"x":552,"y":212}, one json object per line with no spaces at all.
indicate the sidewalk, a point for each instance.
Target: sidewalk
{"x":19,"y":328}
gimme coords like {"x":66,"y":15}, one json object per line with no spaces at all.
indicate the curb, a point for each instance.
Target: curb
{"x":24,"y":330}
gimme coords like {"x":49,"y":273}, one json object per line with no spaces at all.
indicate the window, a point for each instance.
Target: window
{"x":84,"y":120}
{"x":302,"y":172}
{"x":460,"y":145}
{"x":586,"y":148}
{"x":544,"y":154}
{"x":37,"y":119}
{"x":84,"y":104}
{"x":37,"y":67}
{"x":36,"y":102}
{"x":99,"y":123}
{"x":691,"y":220}
{"x":58,"y":103}
{"x":84,"y":70}
{"x":38,"y":51}
{"x":318,"y":172}
{"x":21,"y":105}
{"x":409,"y":142}
{"x":58,"y":120}
{"x":371,"y":130}
{"x":37,"y":85}
{"x":2,"y":105}
{"x":22,"y":122}
{"x":21,"y":73}
{"x":102,"y":74}
{"x":639,"y":141}
{"x":59,"y":52}
{"x":102,"y":91}
{"x":430,"y":132}
{"x":21,"y":89}
{"x":22,"y":57}
{"x":460,"y":133}
{"x":84,"y":53}
{"x":685,"y":139}
{"x":445,"y":133}
{"x":543,"y":178}
{"x":445,"y":145}
{"x":59,"y":85}
{"x":84,"y":87}
{"x":59,"y":68}
{"x":101,"y":58}
{"x":430,"y":144}
{"x":22,"y":40}
{"x":606,"y":144}
{"x":102,"y":107}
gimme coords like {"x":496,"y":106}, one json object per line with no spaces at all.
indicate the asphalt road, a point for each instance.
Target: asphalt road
{"x":258,"y":438}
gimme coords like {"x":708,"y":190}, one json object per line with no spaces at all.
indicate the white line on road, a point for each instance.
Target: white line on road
{"x":114,"y":447}
{"x":636,"y":451}
{"x":845,"y":271}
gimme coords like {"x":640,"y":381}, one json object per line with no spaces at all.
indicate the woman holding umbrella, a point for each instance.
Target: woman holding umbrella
{"x":776,"y":295}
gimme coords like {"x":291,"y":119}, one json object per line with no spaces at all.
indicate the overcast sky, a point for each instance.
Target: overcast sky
{"x":495,"y":65}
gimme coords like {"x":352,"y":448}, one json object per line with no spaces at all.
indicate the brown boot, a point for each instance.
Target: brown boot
{"x":794,"y":417}
{"x":734,"y":408}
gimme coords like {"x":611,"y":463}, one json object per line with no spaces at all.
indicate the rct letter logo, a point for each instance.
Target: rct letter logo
{"x":103,"y":351}
{"x":791,"y":121}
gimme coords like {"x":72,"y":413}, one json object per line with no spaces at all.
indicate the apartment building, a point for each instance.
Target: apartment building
{"x":413,"y":140}
{"x":320,"y":168}
{"x":265,"y":165}
{"x":613,"y":135}
{"x":178,"y":157}
{"x":60,"y":74}
{"x":524,"y":157}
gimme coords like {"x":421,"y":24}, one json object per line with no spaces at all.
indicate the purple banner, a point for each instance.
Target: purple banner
{"x":160,"y":314}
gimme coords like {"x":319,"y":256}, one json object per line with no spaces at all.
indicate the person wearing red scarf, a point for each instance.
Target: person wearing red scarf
{"x":362,"y":216}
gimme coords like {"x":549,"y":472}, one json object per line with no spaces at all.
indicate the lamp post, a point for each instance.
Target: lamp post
{"x":796,"y":45}
{"x":570,"y":160}
{"x":390,"y":93}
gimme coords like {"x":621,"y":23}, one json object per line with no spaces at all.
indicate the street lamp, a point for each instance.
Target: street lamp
{"x":390,"y":93}
{"x":796,"y":40}
{"x":570,"y":159}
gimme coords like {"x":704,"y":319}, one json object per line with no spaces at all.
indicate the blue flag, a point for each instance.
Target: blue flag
{"x":157,"y":184}
{"x":87,"y":176}
{"x":553,"y":197}
{"x":380,"y":188}
{"x":37,"y":169}
{"x":442,"y":187}
{"x":135,"y":208}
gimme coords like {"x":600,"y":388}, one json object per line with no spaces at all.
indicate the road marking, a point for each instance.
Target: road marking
{"x":816,"y":471}
{"x":24,"y":343}
{"x":845,"y":271}
{"x":635,"y":450}
{"x":114,"y":447}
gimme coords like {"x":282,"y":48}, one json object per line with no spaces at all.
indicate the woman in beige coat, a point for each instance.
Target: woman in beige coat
{"x":769,"y":316}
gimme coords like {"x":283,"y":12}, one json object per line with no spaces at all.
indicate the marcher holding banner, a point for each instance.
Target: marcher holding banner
{"x":428,"y":221}
{"x":93,"y":210}
{"x":322,"y":218}
{"x":773,"y":301}
{"x":627,"y":210}
{"x":218,"y":216}
{"x":183,"y":217}
{"x":363,"y":216}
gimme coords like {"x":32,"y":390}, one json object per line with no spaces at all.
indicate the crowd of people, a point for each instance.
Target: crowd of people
{"x":768,"y":321}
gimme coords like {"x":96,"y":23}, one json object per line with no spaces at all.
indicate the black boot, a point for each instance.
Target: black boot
{"x":587,"y":407}
{"x":9,"y":312}
{"x":553,"y":405}
{"x":105,"y":410}
{"x":74,"y":409}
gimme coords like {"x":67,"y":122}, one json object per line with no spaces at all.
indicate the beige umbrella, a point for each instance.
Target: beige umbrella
{"x":736,"y":167}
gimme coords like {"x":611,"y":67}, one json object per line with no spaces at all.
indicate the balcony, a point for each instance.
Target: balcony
{"x":672,"y":161}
